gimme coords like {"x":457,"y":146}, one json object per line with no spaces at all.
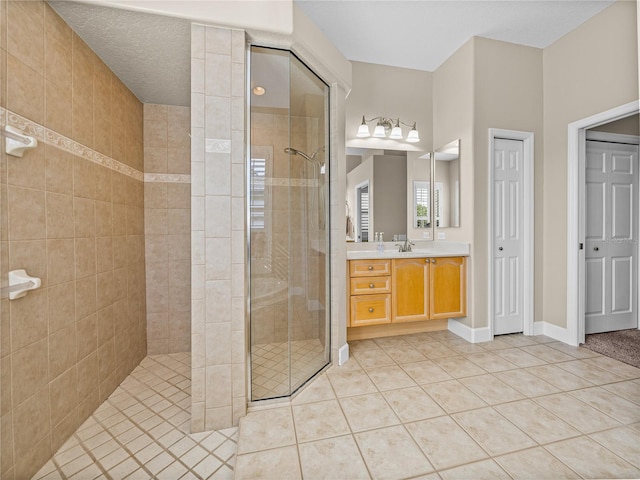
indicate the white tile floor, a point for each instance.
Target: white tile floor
{"x":141,"y":432}
{"x":434,"y":406}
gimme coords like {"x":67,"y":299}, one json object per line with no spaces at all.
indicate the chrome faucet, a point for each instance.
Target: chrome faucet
{"x":406,"y":247}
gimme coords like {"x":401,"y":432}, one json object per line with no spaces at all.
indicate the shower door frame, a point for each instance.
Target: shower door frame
{"x":328,"y":236}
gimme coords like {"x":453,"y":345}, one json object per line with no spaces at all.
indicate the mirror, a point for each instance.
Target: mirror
{"x":402,"y":193}
{"x":446,"y":199}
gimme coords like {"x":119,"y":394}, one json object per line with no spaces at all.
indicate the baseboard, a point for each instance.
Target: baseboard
{"x":473,"y":335}
{"x":343,"y":354}
{"x":557,"y":333}
{"x":538,"y":328}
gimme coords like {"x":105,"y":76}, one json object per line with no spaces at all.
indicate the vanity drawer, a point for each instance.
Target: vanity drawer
{"x":370,"y":310}
{"x":369,"y":268}
{"x":370,"y":285}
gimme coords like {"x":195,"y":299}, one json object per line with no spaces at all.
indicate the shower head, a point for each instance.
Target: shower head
{"x":309,"y":158}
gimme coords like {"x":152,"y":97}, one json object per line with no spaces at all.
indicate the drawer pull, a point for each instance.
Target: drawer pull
{"x":433,"y":260}
{"x":370,"y":309}
{"x":370,"y":267}
{"x":371,"y":285}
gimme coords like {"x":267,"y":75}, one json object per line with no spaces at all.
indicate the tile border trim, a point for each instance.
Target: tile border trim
{"x":166,"y":178}
{"x":55,"y":139}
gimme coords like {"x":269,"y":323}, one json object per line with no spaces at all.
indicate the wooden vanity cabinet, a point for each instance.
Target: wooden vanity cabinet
{"x":406,"y":290}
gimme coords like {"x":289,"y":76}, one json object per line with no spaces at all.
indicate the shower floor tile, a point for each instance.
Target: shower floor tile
{"x":142,"y":431}
{"x":270,"y":366}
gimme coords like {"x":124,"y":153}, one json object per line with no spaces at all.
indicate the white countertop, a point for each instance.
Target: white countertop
{"x":359,"y":251}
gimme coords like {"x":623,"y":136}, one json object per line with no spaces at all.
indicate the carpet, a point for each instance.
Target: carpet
{"x":623,"y":345}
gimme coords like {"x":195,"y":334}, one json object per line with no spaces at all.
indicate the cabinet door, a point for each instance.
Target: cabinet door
{"x":410,"y":285}
{"x":448,"y":295}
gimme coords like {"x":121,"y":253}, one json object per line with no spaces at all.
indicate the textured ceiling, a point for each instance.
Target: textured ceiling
{"x":151,"y":53}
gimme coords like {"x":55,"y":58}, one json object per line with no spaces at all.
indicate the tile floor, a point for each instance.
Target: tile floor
{"x":272,"y":373}
{"x":140,"y":432}
{"x":434,"y":406}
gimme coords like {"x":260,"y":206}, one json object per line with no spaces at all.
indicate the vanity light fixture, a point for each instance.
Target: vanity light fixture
{"x":388,"y":127}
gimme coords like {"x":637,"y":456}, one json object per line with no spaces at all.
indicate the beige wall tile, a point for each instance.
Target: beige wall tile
{"x":29,"y":320}
{"x":87,"y":376}
{"x":61,"y":432}
{"x":55,"y":27}
{"x":26,"y":212}
{"x":25,"y":90}
{"x":218,"y":40}
{"x":102,"y":107}
{"x":104,"y":254}
{"x":179,"y":195}
{"x":103,"y":191}
{"x":62,"y":350}
{"x":29,"y":371}
{"x":6,"y":437}
{"x":60,"y":261}
{"x":105,"y":325}
{"x":179,"y":160}
{"x":85,"y":255}
{"x":63,"y":395}
{"x":30,"y":427}
{"x":62,"y":304}
{"x":59,"y":216}
{"x":59,"y":170}
{"x":31,"y":256}
{"x":104,"y":219}
{"x":82,"y":92}
{"x":25,"y":33}
{"x":155,"y":195}
{"x":57,"y":108}
{"x":84,"y":178}
{"x":85,"y":297}
{"x":58,"y":66}
{"x":28,"y":171}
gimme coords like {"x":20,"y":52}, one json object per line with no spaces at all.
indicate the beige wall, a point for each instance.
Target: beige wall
{"x":453,"y":117}
{"x":390,"y":92}
{"x":625,"y":126}
{"x":590,"y":70}
{"x":167,"y":208}
{"x":74,"y":217}
{"x":508,"y":95}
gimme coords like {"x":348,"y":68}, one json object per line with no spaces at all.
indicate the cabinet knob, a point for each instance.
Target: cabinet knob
{"x":370,"y":267}
{"x":433,"y":260}
{"x":371,"y":285}
{"x":370,"y":309}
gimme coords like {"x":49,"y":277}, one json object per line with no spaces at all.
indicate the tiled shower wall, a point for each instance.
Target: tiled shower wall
{"x":287,"y":256}
{"x":218,"y":227}
{"x":72,"y":214}
{"x":167,"y":203}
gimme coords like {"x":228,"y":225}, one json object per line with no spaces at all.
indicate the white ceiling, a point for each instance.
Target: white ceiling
{"x":422,"y":34}
{"x":151,"y":53}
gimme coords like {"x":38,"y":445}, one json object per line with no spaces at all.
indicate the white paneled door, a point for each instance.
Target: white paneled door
{"x":508,"y":235}
{"x":611,"y":235}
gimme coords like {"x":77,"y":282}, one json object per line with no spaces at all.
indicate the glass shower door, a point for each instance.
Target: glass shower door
{"x":288,"y":220}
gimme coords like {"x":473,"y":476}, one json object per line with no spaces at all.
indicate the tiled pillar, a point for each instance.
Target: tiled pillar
{"x":217,"y":227}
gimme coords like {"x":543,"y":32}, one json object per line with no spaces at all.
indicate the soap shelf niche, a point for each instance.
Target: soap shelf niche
{"x":17,"y":142}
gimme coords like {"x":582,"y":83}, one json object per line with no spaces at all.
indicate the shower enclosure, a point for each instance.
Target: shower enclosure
{"x":288,"y":182}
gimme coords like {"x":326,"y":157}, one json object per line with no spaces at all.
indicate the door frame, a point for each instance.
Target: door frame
{"x":576,"y":158}
{"x":528,"y":226}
